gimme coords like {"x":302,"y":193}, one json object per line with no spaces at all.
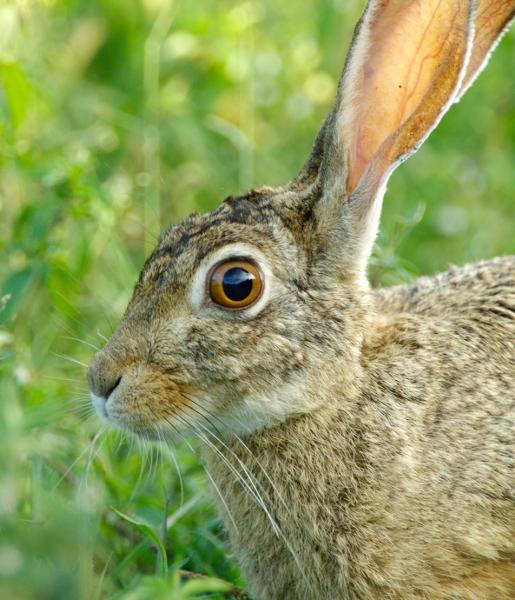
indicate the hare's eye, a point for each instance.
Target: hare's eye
{"x":235,"y":284}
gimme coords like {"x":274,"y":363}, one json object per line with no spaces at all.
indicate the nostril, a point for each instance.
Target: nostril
{"x":103,"y":376}
{"x":115,"y":385}
{"x":105,"y":387}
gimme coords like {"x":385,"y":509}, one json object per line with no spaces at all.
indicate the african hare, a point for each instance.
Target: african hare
{"x":359,"y":441}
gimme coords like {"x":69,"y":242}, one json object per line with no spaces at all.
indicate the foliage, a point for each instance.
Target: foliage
{"x":117,"y":118}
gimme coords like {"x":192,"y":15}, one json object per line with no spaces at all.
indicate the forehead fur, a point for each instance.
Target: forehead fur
{"x":256,"y":218}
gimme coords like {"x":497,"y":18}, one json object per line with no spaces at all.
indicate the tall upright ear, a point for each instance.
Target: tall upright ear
{"x":404,"y":68}
{"x":405,"y":65}
{"x":408,"y":62}
{"x":492,"y":21}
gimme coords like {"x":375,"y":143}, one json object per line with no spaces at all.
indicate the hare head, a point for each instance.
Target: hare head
{"x":238,"y":314}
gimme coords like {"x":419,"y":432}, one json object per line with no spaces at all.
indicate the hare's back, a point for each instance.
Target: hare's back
{"x":450,"y":341}
{"x":482,"y":292}
{"x":456,"y":330}
{"x":441,"y":362}
{"x":444,"y":348}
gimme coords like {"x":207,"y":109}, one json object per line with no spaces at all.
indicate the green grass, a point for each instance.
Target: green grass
{"x":117,"y":118}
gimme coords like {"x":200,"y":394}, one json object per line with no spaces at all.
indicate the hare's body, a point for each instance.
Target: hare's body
{"x":360,"y":442}
{"x":402,"y":484}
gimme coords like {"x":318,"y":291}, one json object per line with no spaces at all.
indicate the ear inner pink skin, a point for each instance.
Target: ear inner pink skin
{"x":396,"y":98}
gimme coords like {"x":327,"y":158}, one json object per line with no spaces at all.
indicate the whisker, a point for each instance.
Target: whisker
{"x":75,"y":339}
{"x":78,"y":398}
{"x":247,"y":449}
{"x":70,"y":359}
{"x":252,"y":480}
{"x":140,"y":453}
{"x":272,"y":483}
{"x":83,"y":410}
{"x":70,"y":467}
{"x":257,"y":496}
{"x":62,"y":323}
{"x":204,"y":412}
{"x":211,"y":479}
{"x":81,"y":285}
{"x":263,"y":470}
{"x":174,"y":460}
{"x":71,"y":379}
{"x":102,"y":336}
{"x":91,"y":457}
{"x":120,"y":437}
{"x":217,"y":489}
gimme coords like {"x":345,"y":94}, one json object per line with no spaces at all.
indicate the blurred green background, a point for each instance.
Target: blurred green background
{"x":118,"y":117}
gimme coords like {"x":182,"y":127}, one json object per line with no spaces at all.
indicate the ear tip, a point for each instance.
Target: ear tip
{"x":488,"y":32}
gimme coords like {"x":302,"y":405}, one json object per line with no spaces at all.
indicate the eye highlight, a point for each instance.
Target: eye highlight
{"x":235,"y":284}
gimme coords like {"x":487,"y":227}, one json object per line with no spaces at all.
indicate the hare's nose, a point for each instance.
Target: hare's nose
{"x":103,"y":376}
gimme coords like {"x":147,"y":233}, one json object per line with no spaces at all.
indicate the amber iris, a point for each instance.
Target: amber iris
{"x":235,"y":284}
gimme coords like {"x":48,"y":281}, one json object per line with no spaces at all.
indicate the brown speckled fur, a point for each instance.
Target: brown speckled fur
{"x":402,"y":488}
{"x":371,"y":455}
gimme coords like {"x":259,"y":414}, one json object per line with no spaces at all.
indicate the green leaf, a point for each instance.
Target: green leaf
{"x":18,"y":91}
{"x":203,"y":585}
{"x":149,"y":532}
{"x":12,"y":292}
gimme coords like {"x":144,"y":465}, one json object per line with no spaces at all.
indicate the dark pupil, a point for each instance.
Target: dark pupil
{"x":237,"y":284}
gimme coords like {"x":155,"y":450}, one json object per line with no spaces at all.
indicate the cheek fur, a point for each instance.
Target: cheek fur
{"x":244,"y":355}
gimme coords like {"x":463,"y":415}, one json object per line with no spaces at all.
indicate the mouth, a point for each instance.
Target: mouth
{"x":99,"y":404}
{"x":108,"y":414}
{"x":113,"y":413}
{"x":111,"y":417}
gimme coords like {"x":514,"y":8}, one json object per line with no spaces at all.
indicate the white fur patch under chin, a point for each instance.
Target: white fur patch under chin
{"x":260,"y":411}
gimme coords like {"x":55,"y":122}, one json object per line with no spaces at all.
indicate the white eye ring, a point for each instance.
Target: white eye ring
{"x":199,"y":296}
